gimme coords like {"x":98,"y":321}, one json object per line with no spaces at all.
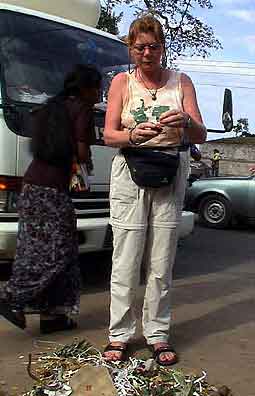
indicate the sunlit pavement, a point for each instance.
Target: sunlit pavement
{"x":213,"y":314}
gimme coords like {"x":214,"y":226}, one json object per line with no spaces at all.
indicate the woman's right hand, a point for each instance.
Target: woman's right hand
{"x":144,"y":132}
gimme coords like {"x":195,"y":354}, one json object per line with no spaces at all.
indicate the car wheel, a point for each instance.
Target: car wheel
{"x":215,"y":211}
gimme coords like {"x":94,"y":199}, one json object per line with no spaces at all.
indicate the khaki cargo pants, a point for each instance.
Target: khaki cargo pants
{"x":145,"y":228}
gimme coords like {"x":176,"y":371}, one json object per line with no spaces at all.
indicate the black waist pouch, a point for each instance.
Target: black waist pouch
{"x":151,"y":167}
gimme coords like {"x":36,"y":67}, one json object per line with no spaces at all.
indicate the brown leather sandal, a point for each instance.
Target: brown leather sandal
{"x":157,"y":352}
{"x":117,"y":348}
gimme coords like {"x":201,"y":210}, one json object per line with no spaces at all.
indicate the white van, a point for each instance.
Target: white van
{"x":38,"y":46}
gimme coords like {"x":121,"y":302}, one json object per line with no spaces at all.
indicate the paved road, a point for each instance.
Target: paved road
{"x":213,"y":312}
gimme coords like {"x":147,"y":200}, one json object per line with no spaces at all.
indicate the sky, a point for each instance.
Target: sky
{"x":233,"y":67}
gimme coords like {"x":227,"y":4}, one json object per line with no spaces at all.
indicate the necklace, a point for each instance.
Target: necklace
{"x":152,"y":92}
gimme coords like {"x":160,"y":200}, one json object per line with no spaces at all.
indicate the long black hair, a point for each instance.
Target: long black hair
{"x":51,"y":123}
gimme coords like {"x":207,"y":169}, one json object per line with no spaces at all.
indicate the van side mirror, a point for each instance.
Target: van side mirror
{"x":227,"y":114}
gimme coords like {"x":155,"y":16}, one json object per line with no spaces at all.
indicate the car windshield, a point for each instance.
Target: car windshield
{"x":36,"y":54}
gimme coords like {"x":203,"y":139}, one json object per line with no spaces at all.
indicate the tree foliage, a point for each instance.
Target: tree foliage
{"x":242,"y":128}
{"x":108,"y":20}
{"x":185,"y":33}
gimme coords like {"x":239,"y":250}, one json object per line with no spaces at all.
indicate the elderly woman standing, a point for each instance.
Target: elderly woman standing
{"x":149,"y":107}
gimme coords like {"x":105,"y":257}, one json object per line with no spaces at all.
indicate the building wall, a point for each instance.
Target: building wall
{"x":236,"y":158}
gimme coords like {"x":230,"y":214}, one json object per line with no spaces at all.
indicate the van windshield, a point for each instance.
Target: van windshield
{"x":36,"y":54}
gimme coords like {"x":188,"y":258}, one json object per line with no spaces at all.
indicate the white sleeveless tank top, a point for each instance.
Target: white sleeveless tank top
{"x":139,"y":107}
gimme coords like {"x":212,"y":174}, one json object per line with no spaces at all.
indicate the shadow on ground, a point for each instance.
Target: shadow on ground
{"x":208,"y":250}
{"x":227,"y":318}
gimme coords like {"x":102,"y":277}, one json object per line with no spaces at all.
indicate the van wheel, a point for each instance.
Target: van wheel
{"x":215,"y":211}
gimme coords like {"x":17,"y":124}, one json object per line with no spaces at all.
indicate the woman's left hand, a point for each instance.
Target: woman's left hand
{"x":174,"y":119}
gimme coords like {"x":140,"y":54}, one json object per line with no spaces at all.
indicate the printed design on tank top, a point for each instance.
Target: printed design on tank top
{"x":138,"y":107}
{"x":149,"y":113}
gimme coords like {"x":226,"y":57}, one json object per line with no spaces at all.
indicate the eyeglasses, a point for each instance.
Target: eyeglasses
{"x":152,"y":47}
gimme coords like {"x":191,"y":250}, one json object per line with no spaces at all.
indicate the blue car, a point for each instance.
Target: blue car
{"x":220,"y":201}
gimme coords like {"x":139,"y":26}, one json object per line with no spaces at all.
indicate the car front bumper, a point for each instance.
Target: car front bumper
{"x":187,"y":224}
{"x":94,"y":234}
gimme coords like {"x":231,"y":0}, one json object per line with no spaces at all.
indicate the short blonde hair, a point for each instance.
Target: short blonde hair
{"x":146,"y":24}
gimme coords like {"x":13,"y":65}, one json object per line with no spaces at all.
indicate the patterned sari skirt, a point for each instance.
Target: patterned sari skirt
{"x":45,"y":274}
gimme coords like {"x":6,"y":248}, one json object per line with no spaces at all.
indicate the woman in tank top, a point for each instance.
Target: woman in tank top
{"x":150,"y":106}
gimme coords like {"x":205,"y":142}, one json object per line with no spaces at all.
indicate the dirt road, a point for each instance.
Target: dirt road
{"x":213,"y":314}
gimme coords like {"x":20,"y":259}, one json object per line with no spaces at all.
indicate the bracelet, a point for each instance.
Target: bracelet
{"x":130,"y":140}
{"x":188,"y":123}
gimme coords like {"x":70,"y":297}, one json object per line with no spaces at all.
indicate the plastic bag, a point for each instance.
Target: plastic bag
{"x":79,"y":178}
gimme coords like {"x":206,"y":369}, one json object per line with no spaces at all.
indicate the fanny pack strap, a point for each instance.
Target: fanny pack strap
{"x":182,"y":148}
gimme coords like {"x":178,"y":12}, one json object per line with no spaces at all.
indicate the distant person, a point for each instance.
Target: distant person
{"x":216,"y":162}
{"x":45,"y":276}
{"x":252,"y":170}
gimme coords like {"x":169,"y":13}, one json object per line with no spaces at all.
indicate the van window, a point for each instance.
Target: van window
{"x":36,"y":54}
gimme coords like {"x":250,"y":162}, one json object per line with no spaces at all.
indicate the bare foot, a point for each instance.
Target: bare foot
{"x":115,"y":351}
